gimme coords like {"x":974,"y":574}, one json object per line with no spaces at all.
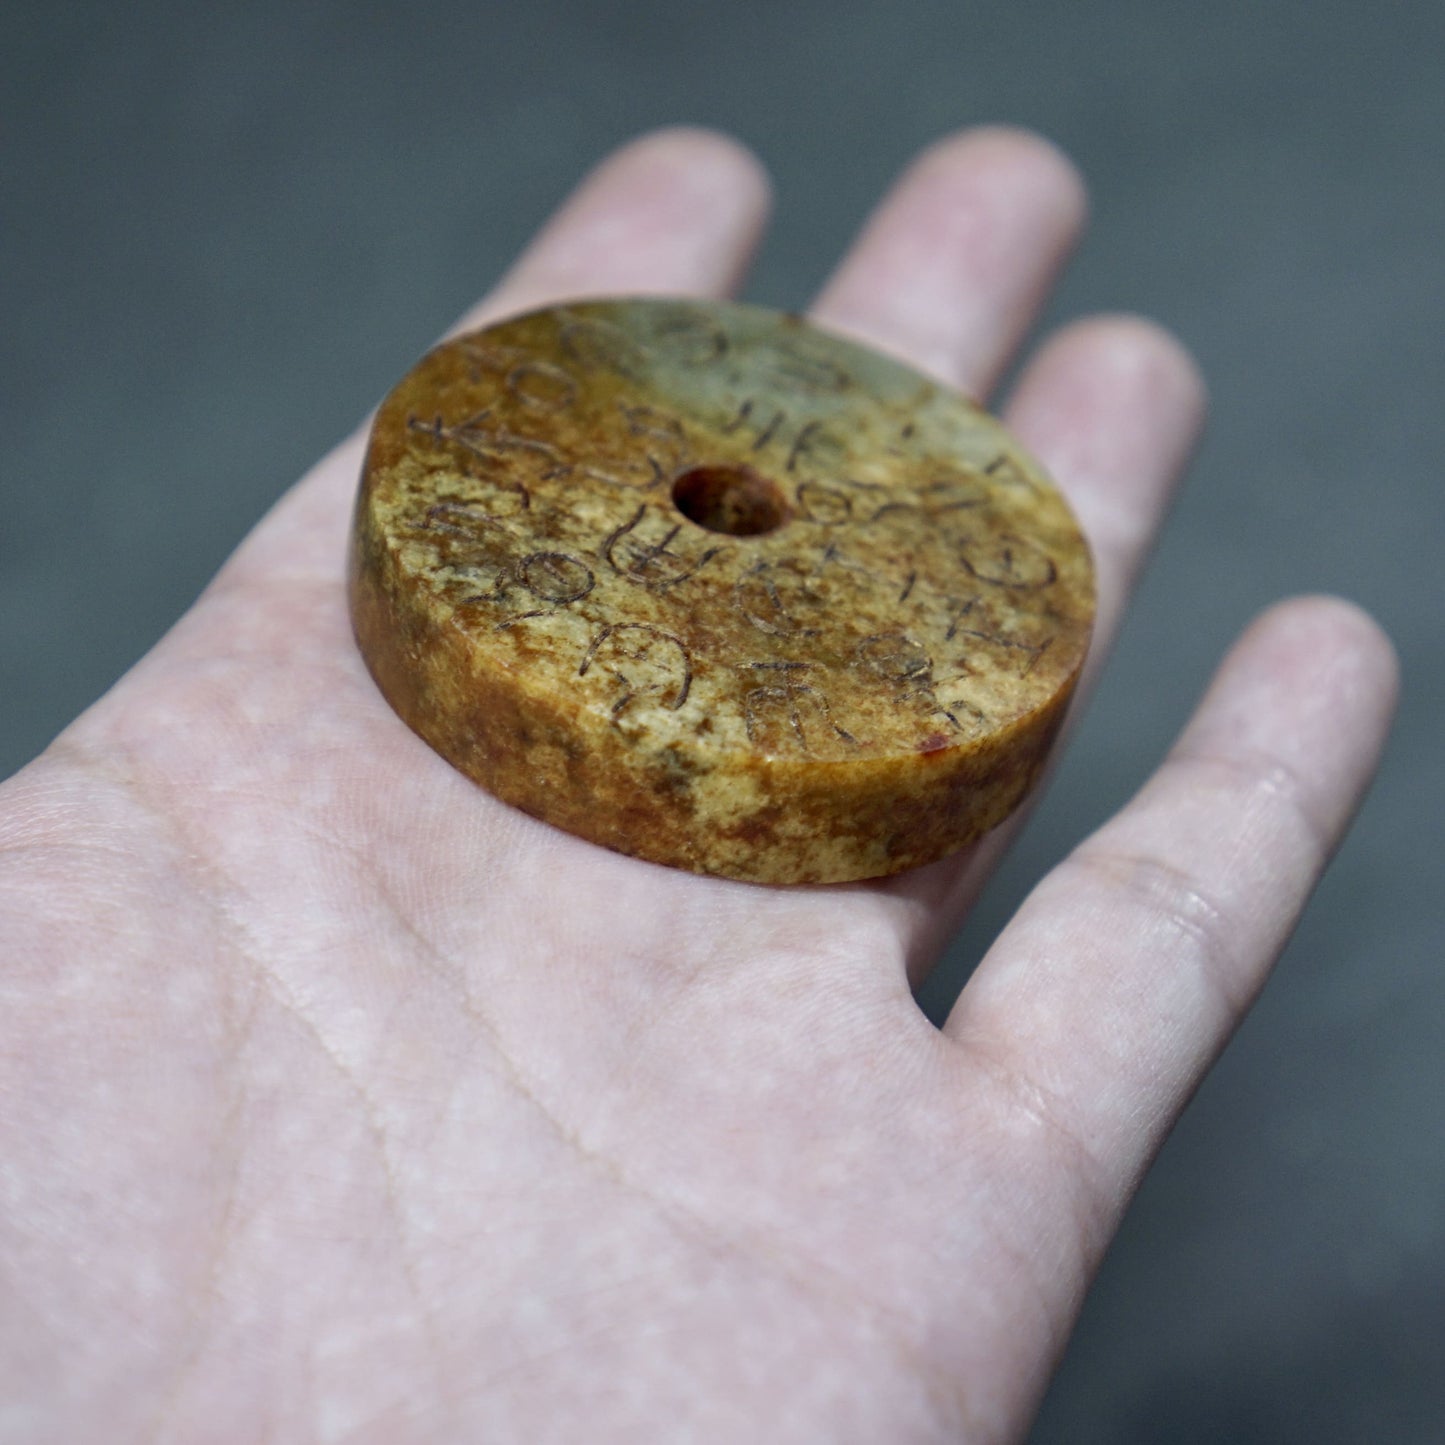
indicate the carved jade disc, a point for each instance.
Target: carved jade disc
{"x":707,"y":585}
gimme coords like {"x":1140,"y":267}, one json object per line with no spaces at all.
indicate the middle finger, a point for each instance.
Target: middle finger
{"x":950,"y":274}
{"x":953,"y":266}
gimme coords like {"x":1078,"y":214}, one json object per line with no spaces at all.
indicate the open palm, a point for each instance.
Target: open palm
{"x":340,"y":1102}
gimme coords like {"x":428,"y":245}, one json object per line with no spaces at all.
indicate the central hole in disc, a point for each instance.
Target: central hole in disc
{"x":729,"y":498}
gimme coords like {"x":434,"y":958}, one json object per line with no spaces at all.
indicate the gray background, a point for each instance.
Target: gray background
{"x":231,"y":226}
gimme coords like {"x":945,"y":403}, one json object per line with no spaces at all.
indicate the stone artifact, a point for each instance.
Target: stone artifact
{"x":707,"y":585}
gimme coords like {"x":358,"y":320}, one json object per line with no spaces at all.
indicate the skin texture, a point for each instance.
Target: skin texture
{"x":344,"y":1103}
{"x":717,"y":589}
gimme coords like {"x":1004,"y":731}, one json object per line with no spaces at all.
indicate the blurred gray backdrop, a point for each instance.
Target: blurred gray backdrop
{"x":231,"y":226}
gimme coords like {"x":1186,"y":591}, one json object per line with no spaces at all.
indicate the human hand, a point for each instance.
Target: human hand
{"x":342,"y":1102}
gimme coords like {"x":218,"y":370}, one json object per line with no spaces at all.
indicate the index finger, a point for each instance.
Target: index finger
{"x":676,"y":211}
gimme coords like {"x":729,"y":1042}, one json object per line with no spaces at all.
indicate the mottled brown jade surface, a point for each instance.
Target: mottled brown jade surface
{"x":704,"y":584}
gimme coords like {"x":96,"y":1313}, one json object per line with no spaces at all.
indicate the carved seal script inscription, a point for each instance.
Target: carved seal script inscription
{"x":707,"y":585}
